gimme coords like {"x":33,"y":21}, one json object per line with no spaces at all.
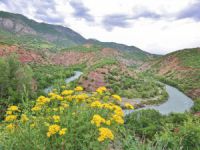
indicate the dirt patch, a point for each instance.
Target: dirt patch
{"x":94,"y":79}
{"x":24,"y":55}
{"x":194,"y":93}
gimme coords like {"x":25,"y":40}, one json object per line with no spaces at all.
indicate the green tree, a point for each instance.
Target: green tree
{"x":15,"y":80}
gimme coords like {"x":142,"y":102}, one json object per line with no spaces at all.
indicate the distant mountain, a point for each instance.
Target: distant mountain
{"x":18,"y":29}
{"x":19,"y":25}
{"x":181,"y":69}
{"x":131,"y":51}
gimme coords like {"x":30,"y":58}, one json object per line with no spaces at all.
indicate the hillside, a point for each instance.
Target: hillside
{"x":180,"y":68}
{"x":32,"y":35}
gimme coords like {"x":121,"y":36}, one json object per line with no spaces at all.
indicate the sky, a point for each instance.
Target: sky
{"x":156,"y":26}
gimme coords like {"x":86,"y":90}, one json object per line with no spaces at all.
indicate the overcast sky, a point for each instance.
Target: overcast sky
{"x":156,"y":26}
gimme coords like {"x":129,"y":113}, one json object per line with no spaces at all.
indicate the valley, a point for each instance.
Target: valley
{"x":50,"y":70}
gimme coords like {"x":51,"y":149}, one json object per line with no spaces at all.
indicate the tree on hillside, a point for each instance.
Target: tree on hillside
{"x":15,"y":79}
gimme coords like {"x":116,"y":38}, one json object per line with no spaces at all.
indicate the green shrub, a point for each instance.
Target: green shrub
{"x":16,"y":79}
{"x":196,"y":107}
{"x":145,"y":123}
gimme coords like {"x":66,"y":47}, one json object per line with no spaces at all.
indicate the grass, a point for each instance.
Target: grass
{"x":83,"y":48}
{"x":189,"y":58}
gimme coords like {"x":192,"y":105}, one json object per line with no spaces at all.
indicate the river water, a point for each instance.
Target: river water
{"x":76,"y":75}
{"x":177,"y":101}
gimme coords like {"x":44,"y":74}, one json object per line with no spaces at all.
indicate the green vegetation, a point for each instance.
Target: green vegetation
{"x":101,"y":63}
{"x":59,"y":121}
{"x":139,"y":86}
{"x":47,"y":75}
{"x":130,"y":52}
{"x":196,"y":107}
{"x":162,"y":132}
{"x":186,"y":75}
{"x":15,"y":80}
{"x":189,"y":57}
{"x":60,"y":36}
{"x":83,"y":48}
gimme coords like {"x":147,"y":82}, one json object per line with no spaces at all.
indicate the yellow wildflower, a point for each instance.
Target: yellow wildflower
{"x":10,"y":118}
{"x":117,"y":97}
{"x":56,"y":118}
{"x":78,"y":88}
{"x":13,"y":108}
{"x":24,"y":118}
{"x":53,"y":129}
{"x":67,"y":92}
{"x":129,"y":106}
{"x":81,"y":97}
{"x":42,"y":100}
{"x":100,"y":90}
{"x":97,"y":120}
{"x":108,"y":122}
{"x":105,"y":133}
{"x":8,"y":112}
{"x":10,"y":127}
{"x":62,"y":131}
{"x":58,"y":97}
{"x":65,"y":105}
{"x":36,"y":108}
{"x":96,"y":104}
{"x":108,"y":106}
{"x":118,"y":119}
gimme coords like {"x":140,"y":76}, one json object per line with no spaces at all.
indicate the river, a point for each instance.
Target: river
{"x":177,"y":101}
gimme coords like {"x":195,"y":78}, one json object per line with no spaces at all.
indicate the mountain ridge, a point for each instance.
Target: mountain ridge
{"x":52,"y":36}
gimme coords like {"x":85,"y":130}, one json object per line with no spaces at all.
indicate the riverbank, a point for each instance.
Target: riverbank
{"x":177,"y":101}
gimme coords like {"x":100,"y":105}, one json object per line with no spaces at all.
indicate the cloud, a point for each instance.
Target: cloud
{"x":147,"y":14}
{"x":124,"y":21}
{"x":80,"y":11}
{"x":115,"y":20}
{"x":192,"y":11}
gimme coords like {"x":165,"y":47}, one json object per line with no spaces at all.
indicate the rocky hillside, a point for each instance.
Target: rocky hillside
{"x":29,"y":34}
{"x":180,"y":68}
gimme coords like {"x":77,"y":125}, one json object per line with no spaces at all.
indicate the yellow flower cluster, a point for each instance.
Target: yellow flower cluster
{"x":42,"y":100}
{"x":97,"y":104}
{"x":78,"y":88}
{"x":97,"y":120}
{"x":129,"y":106}
{"x":67,"y":92}
{"x":105,"y":133}
{"x":10,"y":118}
{"x":56,"y":118}
{"x":118,"y":119}
{"x":100,"y":90}
{"x":13,"y":108}
{"x":117,"y":97}
{"x":59,"y":109}
{"x":53,"y":129}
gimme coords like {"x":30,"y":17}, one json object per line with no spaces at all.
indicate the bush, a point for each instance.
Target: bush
{"x":70,"y":119}
{"x":145,"y":123}
{"x":196,"y":107}
{"x":15,"y":80}
{"x":186,"y":136}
